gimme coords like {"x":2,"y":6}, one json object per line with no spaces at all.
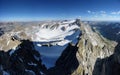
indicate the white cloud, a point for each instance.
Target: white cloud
{"x":97,"y":13}
{"x":116,"y":13}
{"x":113,"y":13}
{"x":89,"y":11}
{"x":103,"y":15}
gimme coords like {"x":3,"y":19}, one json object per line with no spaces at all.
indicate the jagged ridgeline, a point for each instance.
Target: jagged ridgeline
{"x":67,"y":47}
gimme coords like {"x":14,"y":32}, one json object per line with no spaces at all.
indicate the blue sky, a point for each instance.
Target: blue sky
{"x":32,"y":10}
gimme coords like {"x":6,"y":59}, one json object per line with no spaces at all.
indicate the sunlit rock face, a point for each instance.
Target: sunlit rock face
{"x":93,"y":46}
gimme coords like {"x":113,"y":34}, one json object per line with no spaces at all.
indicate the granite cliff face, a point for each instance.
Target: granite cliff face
{"x":93,"y":47}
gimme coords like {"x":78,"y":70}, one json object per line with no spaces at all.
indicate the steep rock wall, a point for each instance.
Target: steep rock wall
{"x":92,"y":46}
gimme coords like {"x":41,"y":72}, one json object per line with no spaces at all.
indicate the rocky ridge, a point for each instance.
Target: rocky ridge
{"x":92,"y":46}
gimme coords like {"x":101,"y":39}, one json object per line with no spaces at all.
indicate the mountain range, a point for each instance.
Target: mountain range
{"x":64,"y":47}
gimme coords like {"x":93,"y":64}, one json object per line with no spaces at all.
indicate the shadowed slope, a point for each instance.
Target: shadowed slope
{"x":67,"y":62}
{"x":109,"y":65}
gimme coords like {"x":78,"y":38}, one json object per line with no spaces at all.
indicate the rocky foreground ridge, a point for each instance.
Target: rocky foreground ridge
{"x":92,"y":55}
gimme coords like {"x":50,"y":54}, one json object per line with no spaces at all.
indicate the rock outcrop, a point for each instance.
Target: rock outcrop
{"x":25,"y":60}
{"x":92,"y":46}
{"x":109,"y":65}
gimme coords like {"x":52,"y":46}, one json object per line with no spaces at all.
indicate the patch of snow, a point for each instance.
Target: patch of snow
{"x":32,"y":64}
{"x":41,"y":73}
{"x":101,"y":55}
{"x":64,"y":42}
{"x":39,"y":45}
{"x":20,"y":59}
{"x":13,"y":50}
{"x":37,"y":58}
{"x":118,"y":33}
{"x":30,"y":71}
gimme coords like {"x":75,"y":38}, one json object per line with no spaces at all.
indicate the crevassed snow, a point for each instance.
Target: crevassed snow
{"x":40,"y":34}
{"x":45,"y":35}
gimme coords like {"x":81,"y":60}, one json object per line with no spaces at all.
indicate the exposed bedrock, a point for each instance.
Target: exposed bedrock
{"x":93,"y":47}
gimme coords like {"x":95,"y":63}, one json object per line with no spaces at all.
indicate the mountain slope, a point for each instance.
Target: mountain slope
{"x":92,"y":46}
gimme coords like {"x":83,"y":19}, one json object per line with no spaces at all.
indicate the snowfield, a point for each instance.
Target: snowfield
{"x":57,"y":33}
